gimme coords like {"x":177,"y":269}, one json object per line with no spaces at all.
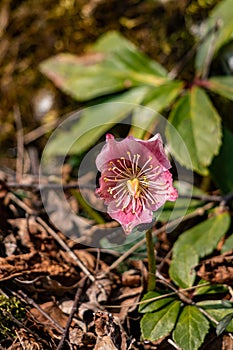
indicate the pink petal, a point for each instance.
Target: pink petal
{"x":127,"y":219}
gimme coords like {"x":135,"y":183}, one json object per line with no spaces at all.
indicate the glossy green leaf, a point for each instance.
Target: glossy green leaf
{"x":191,"y":329}
{"x":221,"y":168}
{"x":205,"y":236}
{"x":222,"y":86}
{"x":199,"y":125}
{"x":94,"y":122}
{"x":156,"y":100}
{"x":218,"y":310}
{"x":156,"y":325}
{"x":182,"y":266}
{"x":222,"y":16}
{"x":156,"y":304}
{"x":228,"y":244}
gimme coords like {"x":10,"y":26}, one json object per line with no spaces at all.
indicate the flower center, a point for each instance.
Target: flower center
{"x":133,"y":187}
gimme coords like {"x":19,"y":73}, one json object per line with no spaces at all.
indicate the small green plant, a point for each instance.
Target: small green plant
{"x":9,"y":306}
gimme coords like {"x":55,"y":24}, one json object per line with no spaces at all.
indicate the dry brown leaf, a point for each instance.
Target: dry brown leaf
{"x":111,"y":335}
{"x":218,"y":269}
{"x":53,"y":311}
{"x":25,"y":341}
{"x":36,"y":263}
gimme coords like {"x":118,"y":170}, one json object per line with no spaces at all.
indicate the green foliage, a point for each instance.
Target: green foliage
{"x":191,"y":323}
{"x":156,"y":325}
{"x":190,"y":116}
{"x":218,"y":310}
{"x":9,"y":306}
{"x":193,"y":244}
{"x":222,"y":167}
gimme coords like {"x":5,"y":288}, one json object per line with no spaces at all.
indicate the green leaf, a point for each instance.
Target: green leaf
{"x":191,"y":329}
{"x":101,"y":73}
{"x":218,"y":310}
{"x":224,"y":323}
{"x":222,"y":85}
{"x":228,"y":244}
{"x":205,"y":236}
{"x":127,"y":54}
{"x":156,"y":304}
{"x":210,"y":289}
{"x":221,"y":14}
{"x":182,"y":266}
{"x":157,"y":99}
{"x":94,"y":122}
{"x":221,"y":168}
{"x":156,"y":325}
{"x":84,"y":82}
{"x":199,"y":126}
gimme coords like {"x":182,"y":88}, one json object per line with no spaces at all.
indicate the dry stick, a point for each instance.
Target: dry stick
{"x":73,"y":310}
{"x":20,"y":144}
{"x":66,"y":248}
{"x":22,"y":296}
{"x":21,"y":325}
{"x":170,"y":225}
{"x":54,"y":235}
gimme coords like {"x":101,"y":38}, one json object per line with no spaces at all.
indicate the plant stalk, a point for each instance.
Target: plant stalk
{"x":151,"y":283}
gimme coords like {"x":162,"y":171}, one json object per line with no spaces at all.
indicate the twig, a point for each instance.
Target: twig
{"x":170,"y":341}
{"x":73,"y":310}
{"x":20,"y":144}
{"x":21,"y":325}
{"x":54,"y":235}
{"x":22,"y":296}
{"x":66,"y":248}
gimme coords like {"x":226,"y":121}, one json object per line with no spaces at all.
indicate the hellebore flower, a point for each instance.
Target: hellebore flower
{"x":135,"y":180}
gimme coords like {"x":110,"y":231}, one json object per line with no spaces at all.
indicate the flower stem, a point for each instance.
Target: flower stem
{"x":151,"y":283}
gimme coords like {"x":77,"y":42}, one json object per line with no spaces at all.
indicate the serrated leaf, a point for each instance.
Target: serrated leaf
{"x":156,"y":325}
{"x":222,"y":16}
{"x":94,"y":122}
{"x":228,"y":244}
{"x":191,"y":328}
{"x":156,"y":304}
{"x":221,"y":168}
{"x":205,"y":236}
{"x":222,"y":85}
{"x":218,"y":310}
{"x":182,"y":266}
{"x":199,"y":126}
{"x":155,"y":101}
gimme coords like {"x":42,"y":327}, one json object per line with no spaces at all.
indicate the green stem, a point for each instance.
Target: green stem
{"x":151,"y":284}
{"x":91,"y":212}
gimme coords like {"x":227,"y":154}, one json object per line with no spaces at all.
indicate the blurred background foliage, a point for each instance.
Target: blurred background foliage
{"x":32,"y":31}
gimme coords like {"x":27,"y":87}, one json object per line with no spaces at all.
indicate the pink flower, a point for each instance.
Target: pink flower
{"x":135,"y":180}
